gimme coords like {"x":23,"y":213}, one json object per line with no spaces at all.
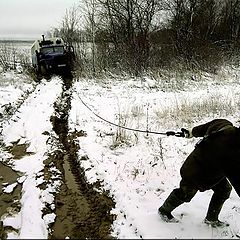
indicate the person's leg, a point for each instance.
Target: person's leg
{"x":221,"y":193}
{"x":177,"y":197}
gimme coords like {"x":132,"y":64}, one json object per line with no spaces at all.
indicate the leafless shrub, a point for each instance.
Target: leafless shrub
{"x":161,"y":152}
{"x":122,"y":136}
{"x":13,"y":58}
{"x":8,"y":56}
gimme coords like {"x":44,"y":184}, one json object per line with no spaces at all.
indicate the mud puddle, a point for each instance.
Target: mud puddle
{"x":10,"y":188}
{"x":19,"y":150}
{"x":10,"y":193}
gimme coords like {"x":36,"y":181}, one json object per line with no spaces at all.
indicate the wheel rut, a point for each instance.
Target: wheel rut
{"x":81,"y":211}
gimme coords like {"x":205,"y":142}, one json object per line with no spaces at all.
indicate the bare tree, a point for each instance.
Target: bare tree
{"x":194,"y":23}
{"x":8,"y":55}
{"x":70,"y":25}
{"x":128,"y":23}
{"x":91,"y":13}
{"x":230,"y":20}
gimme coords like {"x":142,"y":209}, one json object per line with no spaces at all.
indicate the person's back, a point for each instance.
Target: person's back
{"x":212,"y":155}
{"x":220,"y":153}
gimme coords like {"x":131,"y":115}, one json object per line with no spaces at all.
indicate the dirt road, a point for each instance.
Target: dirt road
{"x":81,"y":211}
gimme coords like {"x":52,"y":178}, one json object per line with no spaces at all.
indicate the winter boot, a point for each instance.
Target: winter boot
{"x":213,"y":212}
{"x":168,"y":206}
{"x":216,"y":223}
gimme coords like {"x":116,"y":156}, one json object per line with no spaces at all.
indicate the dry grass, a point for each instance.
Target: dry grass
{"x":187,"y":110}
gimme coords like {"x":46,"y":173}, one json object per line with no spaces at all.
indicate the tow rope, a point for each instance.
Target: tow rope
{"x":168,"y":133}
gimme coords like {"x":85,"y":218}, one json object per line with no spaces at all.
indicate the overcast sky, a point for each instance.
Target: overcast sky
{"x":29,"y":19}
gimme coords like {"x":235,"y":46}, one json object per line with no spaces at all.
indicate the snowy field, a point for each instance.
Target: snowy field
{"x":138,"y":169}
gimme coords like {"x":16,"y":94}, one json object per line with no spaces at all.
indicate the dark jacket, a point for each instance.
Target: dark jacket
{"x":215,"y":157}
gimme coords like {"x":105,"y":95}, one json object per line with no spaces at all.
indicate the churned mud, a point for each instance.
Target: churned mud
{"x":81,"y":211}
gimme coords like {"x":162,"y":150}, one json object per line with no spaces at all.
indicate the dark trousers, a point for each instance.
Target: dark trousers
{"x":221,"y":192}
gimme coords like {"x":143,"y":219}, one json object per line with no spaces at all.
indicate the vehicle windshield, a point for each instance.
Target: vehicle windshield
{"x":59,"y":49}
{"x":55,"y":49}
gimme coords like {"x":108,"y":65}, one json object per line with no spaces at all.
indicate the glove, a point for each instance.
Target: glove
{"x":186,"y":133}
{"x":170,"y":133}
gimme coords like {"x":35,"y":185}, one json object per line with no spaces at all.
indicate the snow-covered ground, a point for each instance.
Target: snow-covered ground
{"x":138,"y":169}
{"x":27,"y":126}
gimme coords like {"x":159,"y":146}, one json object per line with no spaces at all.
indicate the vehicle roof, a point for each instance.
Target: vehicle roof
{"x":56,"y":41}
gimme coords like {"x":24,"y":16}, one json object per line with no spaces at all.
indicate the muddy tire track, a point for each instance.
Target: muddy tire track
{"x":81,"y":211}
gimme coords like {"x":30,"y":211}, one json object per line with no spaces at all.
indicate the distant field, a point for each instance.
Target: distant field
{"x":15,"y":51}
{"x":17,"y":42}
{"x":22,"y":44}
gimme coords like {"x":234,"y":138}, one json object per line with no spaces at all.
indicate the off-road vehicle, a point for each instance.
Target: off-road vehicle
{"x":51,"y":55}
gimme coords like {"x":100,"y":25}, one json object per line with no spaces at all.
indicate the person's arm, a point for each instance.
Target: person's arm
{"x":198,"y":131}
{"x":201,"y":130}
{"x":206,"y":128}
{"x":210,"y":127}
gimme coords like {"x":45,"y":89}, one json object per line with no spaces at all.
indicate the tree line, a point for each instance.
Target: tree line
{"x":134,"y":36}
